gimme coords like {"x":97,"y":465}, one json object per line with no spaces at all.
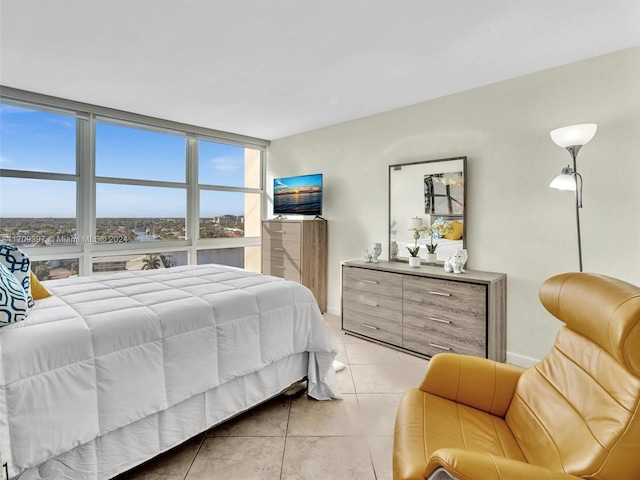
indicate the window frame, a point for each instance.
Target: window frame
{"x":87,"y":116}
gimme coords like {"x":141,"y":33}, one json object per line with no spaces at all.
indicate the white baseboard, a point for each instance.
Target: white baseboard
{"x":333,"y":310}
{"x":521,"y":360}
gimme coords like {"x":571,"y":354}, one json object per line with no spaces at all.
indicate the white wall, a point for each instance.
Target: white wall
{"x":515,"y":223}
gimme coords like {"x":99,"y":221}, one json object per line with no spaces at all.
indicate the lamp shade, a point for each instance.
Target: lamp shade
{"x":416,"y":222}
{"x":565,"y":181}
{"x":574,"y":135}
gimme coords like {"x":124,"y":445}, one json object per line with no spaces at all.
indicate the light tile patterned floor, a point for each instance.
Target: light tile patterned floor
{"x":294,"y":437}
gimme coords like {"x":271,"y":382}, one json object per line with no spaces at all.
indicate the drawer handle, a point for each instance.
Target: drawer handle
{"x":277,"y":266}
{"x":278,"y":249}
{"x":440,"y":320}
{"x":440,"y":293}
{"x":435,"y":345}
{"x":372,"y":282}
{"x":279,"y":231}
{"x":370,"y":326}
{"x":370,"y":304}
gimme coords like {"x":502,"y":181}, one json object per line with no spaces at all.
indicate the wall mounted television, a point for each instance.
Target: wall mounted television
{"x":301,"y":195}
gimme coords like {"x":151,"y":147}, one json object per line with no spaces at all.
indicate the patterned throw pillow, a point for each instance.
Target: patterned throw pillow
{"x":18,"y":263}
{"x":13,"y":299}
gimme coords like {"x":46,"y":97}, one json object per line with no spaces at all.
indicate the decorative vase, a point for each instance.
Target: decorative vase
{"x":431,"y":258}
{"x":414,"y":262}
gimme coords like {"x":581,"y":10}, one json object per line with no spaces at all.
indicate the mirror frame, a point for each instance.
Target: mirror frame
{"x":430,"y":163}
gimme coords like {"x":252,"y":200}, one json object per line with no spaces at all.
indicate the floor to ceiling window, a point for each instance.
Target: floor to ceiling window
{"x":87,"y":190}
{"x":230,"y":202}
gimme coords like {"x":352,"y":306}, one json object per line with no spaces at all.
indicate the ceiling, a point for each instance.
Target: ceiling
{"x":273,"y":68}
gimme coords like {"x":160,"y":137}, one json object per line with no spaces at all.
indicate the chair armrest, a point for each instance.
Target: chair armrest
{"x":473,"y":465}
{"x":476,"y":382}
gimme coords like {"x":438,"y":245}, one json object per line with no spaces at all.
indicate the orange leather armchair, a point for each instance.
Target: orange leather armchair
{"x":575,"y":414}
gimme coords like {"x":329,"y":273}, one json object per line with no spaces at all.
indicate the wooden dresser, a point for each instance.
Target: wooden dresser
{"x":425,"y":310}
{"x":297,"y":250}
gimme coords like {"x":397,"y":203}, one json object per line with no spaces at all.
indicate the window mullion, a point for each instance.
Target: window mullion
{"x":193,"y":199}
{"x":140,"y":183}
{"x":86,"y":194}
{"x":38,"y":175}
{"x":219,"y":188}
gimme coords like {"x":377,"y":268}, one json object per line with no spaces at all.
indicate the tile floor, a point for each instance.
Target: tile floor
{"x":294,"y":437}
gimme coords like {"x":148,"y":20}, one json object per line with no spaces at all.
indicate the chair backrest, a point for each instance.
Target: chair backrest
{"x":578,"y":410}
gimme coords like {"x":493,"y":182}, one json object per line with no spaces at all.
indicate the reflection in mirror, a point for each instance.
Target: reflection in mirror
{"x":433,"y":191}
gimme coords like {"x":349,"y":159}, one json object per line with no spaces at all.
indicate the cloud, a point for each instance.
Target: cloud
{"x":226,"y":164}
{"x":11,"y":127}
{"x":69,"y":123}
{"x":10,"y":163}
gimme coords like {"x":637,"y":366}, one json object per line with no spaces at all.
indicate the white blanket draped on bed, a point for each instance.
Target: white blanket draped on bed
{"x":106,"y":351}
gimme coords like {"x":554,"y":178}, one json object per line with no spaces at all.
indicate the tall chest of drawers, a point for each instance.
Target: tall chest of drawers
{"x":297,"y":250}
{"x":425,"y":310}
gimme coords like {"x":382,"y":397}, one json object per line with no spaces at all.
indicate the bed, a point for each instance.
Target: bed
{"x":112,"y":370}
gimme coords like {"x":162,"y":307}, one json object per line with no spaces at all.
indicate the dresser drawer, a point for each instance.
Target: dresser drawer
{"x":423,"y":315}
{"x":372,"y":281}
{"x":274,"y":231}
{"x":282,"y":267}
{"x":373,"y":304}
{"x":431,"y":329}
{"x":433,"y":342}
{"x":283,"y":248}
{"x":464,"y":332}
{"x":460,"y":296}
{"x":382,"y":329}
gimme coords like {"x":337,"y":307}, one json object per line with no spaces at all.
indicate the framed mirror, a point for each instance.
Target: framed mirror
{"x":434,"y":192}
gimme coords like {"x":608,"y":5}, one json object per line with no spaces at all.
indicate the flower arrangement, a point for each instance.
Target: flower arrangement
{"x":437,"y":229}
{"x":416,"y":235}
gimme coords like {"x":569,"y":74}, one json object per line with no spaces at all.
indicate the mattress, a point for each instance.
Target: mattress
{"x":109,"y":355}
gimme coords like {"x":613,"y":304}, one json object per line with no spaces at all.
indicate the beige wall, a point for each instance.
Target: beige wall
{"x":516,"y":224}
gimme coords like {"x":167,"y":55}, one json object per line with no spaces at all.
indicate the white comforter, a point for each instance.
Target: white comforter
{"x":106,"y":351}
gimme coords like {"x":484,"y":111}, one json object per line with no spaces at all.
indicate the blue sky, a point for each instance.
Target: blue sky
{"x":41,"y":141}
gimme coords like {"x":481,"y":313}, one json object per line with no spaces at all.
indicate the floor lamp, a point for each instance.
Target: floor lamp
{"x":573,"y":138}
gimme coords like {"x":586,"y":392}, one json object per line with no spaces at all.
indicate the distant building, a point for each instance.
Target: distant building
{"x":109,"y":264}
{"x":227,"y":219}
{"x":120,"y":263}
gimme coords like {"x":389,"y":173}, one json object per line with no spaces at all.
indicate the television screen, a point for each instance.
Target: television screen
{"x":298,"y":195}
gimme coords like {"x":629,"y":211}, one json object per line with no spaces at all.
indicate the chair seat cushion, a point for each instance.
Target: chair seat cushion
{"x":426,"y":423}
